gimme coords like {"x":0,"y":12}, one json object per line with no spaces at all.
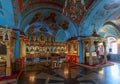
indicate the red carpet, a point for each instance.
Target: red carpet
{"x":13,"y":76}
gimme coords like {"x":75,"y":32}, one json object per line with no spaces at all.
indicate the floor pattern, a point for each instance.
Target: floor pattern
{"x":71,"y":74}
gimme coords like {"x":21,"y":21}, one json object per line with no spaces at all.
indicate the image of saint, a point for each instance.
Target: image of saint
{"x":6,"y":36}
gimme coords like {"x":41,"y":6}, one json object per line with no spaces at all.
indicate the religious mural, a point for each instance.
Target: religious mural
{"x":75,"y":9}
{"x":38,"y":28}
{"x":37,"y":17}
{"x":51,"y":20}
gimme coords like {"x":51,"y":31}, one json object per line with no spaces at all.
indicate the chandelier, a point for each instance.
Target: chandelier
{"x":74,"y":9}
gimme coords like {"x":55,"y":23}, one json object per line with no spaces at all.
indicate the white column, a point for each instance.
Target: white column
{"x":8,"y":62}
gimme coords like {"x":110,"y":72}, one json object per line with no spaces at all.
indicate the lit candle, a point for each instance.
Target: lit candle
{"x":82,"y":2}
{"x":63,"y":10}
{"x":74,"y":1}
{"x":66,"y":13}
{"x":66,"y":3}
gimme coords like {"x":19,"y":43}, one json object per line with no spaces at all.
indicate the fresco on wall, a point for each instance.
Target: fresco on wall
{"x":51,"y":20}
{"x":38,"y":28}
{"x":48,"y":22}
{"x":37,"y":17}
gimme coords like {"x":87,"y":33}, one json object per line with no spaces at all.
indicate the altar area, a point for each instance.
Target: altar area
{"x":37,"y":48}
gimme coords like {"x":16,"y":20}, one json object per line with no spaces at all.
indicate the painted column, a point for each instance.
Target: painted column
{"x":17,"y":46}
{"x":81,"y":51}
{"x":23,"y":53}
{"x":22,"y":48}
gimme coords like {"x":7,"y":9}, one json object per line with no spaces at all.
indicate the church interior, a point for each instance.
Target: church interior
{"x":59,"y":41}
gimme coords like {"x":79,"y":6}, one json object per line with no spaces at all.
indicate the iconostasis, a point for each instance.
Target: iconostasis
{"x":42,"y":47}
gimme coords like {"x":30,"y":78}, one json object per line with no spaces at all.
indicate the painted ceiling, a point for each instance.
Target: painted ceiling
{"x":62,"y":18}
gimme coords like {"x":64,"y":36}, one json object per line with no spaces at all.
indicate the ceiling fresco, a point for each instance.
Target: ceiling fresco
{"x":102,"y":12}
{"x":75,"y":9}
{"x":68,"y":17}
{"x":72,"y":9}
{"x":69,"y":24}
{"x":109,"y":30}
{"x":50,"y":20}
{"x":54,"y":22}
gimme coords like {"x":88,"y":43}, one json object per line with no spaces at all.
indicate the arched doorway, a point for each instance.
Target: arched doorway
{"x":113,"y":48}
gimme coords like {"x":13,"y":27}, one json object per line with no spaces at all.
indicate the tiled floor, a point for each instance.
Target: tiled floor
{"x":70,"y":74}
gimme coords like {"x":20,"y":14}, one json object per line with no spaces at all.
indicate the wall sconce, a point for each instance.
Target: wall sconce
{"x":32,"y":52}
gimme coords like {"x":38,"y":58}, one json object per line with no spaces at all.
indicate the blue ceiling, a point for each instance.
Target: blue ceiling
{"x":98,"y":16}
{"x":6,"y":13}
{"x":101,"y":12}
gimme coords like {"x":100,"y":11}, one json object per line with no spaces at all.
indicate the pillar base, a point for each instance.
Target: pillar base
{"x":8,"y":71}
